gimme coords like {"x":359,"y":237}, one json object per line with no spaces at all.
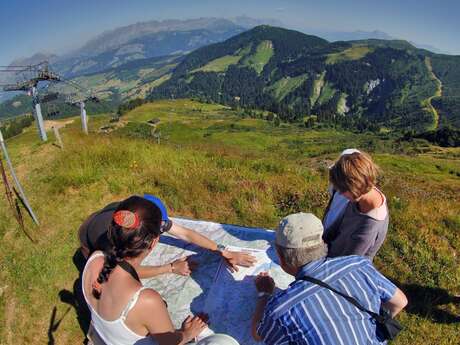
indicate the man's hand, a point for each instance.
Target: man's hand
{"x":235,"y":259}
{"x":265,"y":283}
{"x":183,"y":266}
{"x":193,"y":326}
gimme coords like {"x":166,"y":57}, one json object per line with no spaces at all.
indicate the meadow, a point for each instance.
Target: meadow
{"x":212,"y":163}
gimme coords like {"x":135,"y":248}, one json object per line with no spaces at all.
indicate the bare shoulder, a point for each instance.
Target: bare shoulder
{"x":150,"y":298}
{"x":96,"y":259}
{"x":94,"y":264}
{"x":97,"y":255}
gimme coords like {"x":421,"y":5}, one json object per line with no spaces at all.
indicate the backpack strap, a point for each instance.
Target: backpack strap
{"x":130,"y":269}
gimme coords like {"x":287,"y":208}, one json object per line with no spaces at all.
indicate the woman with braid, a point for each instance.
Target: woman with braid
{"x":123,"y":312}
{"x":93,"y":235}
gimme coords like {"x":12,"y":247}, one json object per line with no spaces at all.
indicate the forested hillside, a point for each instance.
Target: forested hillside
{"x":447,"y":68}
{"x":369,"y":84}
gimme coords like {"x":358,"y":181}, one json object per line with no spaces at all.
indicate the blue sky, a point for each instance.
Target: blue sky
{"x":29,"y":26}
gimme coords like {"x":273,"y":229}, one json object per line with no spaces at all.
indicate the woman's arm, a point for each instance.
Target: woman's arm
{"x":231,"y":258}
{"x":156,"y":318}
{"x":152,"y":271}
{"x":191,"y":236}
{"x":182,"y":266}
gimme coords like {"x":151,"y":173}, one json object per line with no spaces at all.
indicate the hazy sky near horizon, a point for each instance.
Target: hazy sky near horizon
{"x":57,"y":26}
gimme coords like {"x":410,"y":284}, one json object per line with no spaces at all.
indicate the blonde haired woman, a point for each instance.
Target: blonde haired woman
{"x":356,"y":219}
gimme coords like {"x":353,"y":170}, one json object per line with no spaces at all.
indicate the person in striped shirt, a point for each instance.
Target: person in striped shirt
{"x":306,"y":313}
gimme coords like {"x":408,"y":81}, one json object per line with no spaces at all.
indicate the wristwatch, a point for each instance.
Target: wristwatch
{"x":220,"y":248}
{"x":263,"y":294}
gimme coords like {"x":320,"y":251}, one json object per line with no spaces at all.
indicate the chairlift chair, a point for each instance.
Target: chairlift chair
{"x":53,"y":111}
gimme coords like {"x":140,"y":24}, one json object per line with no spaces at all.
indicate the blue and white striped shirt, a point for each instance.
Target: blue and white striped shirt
{"x":306,"y":313}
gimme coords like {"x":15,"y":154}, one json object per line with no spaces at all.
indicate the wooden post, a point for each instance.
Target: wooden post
{"x":16,"y":181}
{"x":58,"y":137}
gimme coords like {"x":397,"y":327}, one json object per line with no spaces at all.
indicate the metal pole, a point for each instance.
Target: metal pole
{"x":84,"y":119}
{"x":38,"y":115}
{"x":16,"y":181}
{"x":58,"y":137}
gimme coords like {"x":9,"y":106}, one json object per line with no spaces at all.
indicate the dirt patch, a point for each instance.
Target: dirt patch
{"x":112,"y":126}
{"x":49,"y":124}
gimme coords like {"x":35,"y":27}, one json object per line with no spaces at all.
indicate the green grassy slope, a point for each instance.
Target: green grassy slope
{"x":219,"y":65}
{"x":261,"y":56}
{"x":236,"y":161}
{"x":354,"y":53}
{"x":285,"y":85}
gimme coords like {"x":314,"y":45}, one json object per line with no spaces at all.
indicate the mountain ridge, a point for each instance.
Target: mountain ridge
{"x":369,"y":83}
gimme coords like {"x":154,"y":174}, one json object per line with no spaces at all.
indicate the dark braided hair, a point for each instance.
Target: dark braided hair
{"x":129,"y":242}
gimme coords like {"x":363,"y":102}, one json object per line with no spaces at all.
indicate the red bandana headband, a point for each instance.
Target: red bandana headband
{"x":126,"y":219}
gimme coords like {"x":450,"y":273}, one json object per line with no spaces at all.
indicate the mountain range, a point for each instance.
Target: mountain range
{"x":154,"y":38}
{"x":369,"y":83}
{"x":372,"y":83}
{"x":139,"y":41}
{"x":144,"y":40}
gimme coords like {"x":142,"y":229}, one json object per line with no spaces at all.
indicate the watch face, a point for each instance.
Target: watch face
{"x":166,"y":225}
{"x":220,"y":247}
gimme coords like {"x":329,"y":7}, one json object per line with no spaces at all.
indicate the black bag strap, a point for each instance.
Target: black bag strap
{"x":130,"y":269}
{"x":350,"y":299}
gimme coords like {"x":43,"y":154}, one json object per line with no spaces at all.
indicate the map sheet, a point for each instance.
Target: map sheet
{"x":232,"y":298}
{"x":230,"y":312}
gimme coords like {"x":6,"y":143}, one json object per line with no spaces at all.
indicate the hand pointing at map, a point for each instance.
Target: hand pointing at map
{"x":235,"y":259}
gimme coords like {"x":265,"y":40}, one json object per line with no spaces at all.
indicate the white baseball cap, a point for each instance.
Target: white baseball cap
{"x":300,"y":230}
{"x":346,"y":152}
{"x":349,"y":152}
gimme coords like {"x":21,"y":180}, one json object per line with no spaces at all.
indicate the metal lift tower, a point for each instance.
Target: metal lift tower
{"x":80,"y":102}
{"x":40,"y":73}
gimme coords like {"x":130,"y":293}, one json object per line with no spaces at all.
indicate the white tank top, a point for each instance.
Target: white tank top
{"x":116,"y":332}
